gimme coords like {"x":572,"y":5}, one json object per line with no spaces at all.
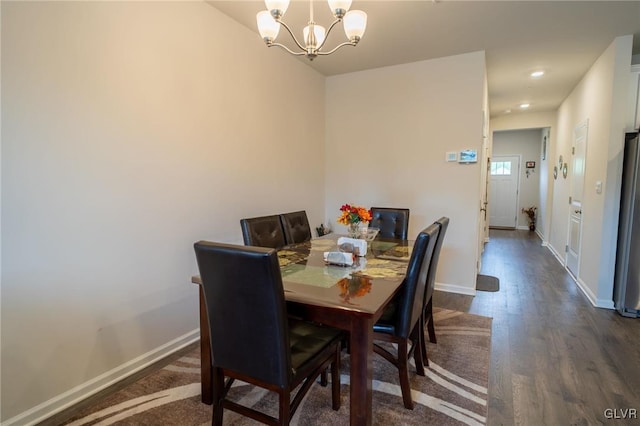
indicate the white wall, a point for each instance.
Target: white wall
{"x":388,"y":130}
{"x":600,"y":98}
{"x":527,"y":145}
{"x":130,"y":131}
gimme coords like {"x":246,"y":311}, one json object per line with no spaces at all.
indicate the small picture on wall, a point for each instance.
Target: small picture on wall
{"x":531,"y":164}
{"x":468,"y":156}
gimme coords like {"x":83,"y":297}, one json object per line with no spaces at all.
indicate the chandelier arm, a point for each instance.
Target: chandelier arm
{"x":286,"y":27}
{"x":326,"y":36}
{"x":346,"y":43}
{"x":287,"y":49}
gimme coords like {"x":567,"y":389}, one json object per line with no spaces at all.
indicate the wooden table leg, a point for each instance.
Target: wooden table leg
{"x":361,"y":352}
{"x":205,"y":354}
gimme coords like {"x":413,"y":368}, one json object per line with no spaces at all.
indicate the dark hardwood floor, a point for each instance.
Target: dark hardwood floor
{"x":555,"y":359}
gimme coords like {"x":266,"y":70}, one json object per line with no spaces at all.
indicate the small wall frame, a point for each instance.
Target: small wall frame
{"x":468,"y":156}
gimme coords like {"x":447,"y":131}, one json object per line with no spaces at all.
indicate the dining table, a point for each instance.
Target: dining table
{"x":351,"y":298}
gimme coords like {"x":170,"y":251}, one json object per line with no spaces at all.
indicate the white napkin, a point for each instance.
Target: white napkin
{"x":360,"y":246}
{"x":338,"y":258}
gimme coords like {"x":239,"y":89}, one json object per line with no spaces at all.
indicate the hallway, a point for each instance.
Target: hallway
{"x":555,"y":359}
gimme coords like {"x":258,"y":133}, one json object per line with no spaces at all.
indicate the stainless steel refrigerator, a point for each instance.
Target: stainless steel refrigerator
{"x":627,"y":279}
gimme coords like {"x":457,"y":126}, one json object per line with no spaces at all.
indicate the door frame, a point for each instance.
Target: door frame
{"x":577,"y":130}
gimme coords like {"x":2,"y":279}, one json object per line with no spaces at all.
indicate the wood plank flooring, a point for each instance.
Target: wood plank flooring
{"x":555,"y":359}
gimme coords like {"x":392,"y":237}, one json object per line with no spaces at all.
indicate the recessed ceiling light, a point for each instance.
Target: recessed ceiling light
{"x":524,"y":106}
{"x":507,"y":111}
{"x":537,"y":74}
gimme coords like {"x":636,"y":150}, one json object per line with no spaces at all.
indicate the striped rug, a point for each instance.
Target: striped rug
{"x":454,"y":391}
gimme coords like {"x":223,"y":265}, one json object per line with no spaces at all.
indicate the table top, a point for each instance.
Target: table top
{"x":365,"y":287}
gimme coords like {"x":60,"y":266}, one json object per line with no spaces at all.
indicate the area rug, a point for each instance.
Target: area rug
{"x":453,"y":392}
{"x":487,"y":283}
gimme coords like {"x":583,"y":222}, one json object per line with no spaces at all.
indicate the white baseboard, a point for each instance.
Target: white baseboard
{"x":556,"y":254}
{"x":598,"y":303}
{"x":73,"y":396}
{"x":522,"y":228}
{"x":605,"y":304}
{"x":452,"y":288}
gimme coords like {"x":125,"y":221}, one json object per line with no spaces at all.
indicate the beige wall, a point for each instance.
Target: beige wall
{"x":387,"y":133}
{"x":600,"y":98}
{"x":131,"y":130}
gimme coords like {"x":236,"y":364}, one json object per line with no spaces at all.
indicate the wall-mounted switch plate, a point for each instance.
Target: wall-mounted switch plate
{"x":599,"y":187}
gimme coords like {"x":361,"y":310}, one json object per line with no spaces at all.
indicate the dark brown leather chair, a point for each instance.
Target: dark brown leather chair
{"x":401,"y":321}
{"x":296,"y":227}
{"x":252,"y":339}
{"x":264,"y":231}
{"x":427,"y":314}
{"x":393,"y":223}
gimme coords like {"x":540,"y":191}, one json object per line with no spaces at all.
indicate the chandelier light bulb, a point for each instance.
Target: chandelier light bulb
{"x":267,"y":26}
{"x":277,"y":8}
{"x":339,"y":7}
{"x":355,"y":23}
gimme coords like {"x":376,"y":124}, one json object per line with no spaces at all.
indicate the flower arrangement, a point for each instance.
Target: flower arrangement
{"x":531,"y":216}
{"x":353,"y":214}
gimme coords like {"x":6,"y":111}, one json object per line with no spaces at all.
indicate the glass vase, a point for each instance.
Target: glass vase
{"x":353,"y":230}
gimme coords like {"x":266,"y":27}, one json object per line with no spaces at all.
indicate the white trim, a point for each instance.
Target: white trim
{"x":75,"y":395}
{"x":486,"y":240}
{"x":605,"y":304}
{"x":556,"y":254}
{"x":522,"y":228}
{"x":454,"y":288}
{"x":598,"y":303}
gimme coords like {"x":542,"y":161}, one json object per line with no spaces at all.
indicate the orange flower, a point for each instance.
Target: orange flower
{"x":353,"y":214}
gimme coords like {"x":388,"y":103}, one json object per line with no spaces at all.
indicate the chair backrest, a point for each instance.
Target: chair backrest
{"x":443,"y":223}
{"x":264,"y":231}
{"x":247,"y":313}
{"x":296,"y":227}
{"x":410,"y":302}
{"x":393,"y":223}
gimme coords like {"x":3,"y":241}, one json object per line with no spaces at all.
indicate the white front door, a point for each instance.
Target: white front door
{"x":503,"y":193}
{"x":578,"y":157}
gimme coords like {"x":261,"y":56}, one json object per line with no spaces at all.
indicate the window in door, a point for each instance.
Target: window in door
{"x":501,"y":168}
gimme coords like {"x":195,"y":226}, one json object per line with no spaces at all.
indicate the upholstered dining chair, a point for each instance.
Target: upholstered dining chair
{"x":252,"y":339}
{"x":296,"y":227}
{"x":393,"y":223}
{"x":401,"y":321}
{"x":427,"y":314}
{"x":264,"y":231}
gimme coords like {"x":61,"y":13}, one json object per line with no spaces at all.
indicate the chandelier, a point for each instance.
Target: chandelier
{"x":270,"y":21}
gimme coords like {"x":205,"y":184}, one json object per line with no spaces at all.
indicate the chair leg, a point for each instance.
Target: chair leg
{"x":423,"y":343}
{"x":418,"y":343}
{"x":323,"y":378}
{"x":429,"y":321}
{"x":403,"y":371}
{"x":218,"y":396}
{"x":335,"y":381}
{"x":432,"y":331}
{"x":285,"y":406}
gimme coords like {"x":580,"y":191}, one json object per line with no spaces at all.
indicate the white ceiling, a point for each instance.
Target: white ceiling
{"x":562,"y":37}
